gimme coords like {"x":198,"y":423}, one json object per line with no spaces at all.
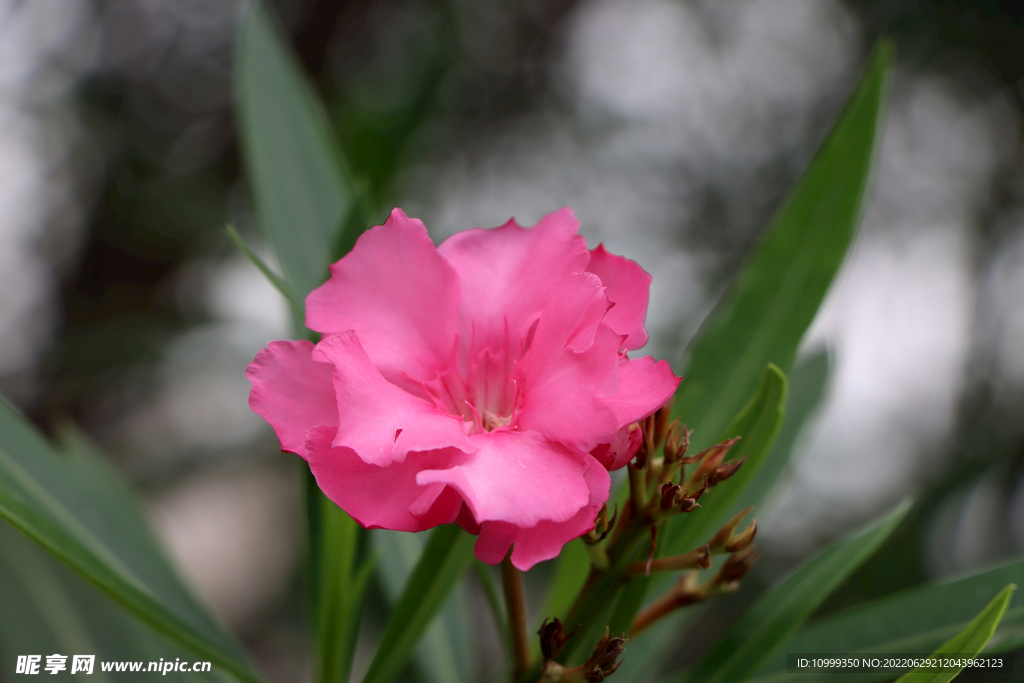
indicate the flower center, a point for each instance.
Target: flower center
{"x":480,"y":391}
{"x":490,"y":421}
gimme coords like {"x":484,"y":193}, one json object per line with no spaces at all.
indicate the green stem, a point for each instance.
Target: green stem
{"x":601,"y":587}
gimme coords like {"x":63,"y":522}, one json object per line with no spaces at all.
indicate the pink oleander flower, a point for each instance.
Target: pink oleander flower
{"x":484,"y":382}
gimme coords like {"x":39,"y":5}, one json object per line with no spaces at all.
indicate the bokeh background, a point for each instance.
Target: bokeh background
{"x":673,"y":129}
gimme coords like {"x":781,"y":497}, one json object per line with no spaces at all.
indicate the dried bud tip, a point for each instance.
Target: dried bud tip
{"x":605,"y":659}
{"x":661,"y":423}
{"x":688,"y":504}
{"x":723,"y":472}
{"x":672,"y":445}
{"x":700,"y":492}
{"x":737,"y":566}
{"x":727,"y":532}
{"x":710,"y":458}
{"x":742,"y":539}
{"x":670,"y":493}
{"x":704,"y":561}
{"x":552,"y":638}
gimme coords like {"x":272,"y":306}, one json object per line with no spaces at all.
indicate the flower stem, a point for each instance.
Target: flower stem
{"x":637,"y":486}
{"x":686,"y":592}
{"x":512,"y":581}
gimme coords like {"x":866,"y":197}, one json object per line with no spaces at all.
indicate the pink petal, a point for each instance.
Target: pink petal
{"x":621,"y":450}
{"x":628,"y":286}
{"x":560,"y":386}
{"x":494,"y":541}
{"x":383,"y":497}
{"x":506,"y":274}
{"x":292,"y":392}
{"x":545,"y":539}
{"x":517,"y":477}
{"x":398,"y":294}
{"x":645,"y":386}
{"x":376,"y":419}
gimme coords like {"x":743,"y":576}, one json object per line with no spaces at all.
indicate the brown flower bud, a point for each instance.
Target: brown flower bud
{"x":688,"y":504}
{"x":552,"y":638}
{"x":727,"y":533}
{"x":742,"y":539}
{"x":660,"y":424}
{"x":711,"y":458}
{"x":700,"y":491}
{"x":605,"y":659}
{"x":736,"y":567}
{"x":669,"y":495}
{"x":724,"y":471}
{"x":676,"y":442}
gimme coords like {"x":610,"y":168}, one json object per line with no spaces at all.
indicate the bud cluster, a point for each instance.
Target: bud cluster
{"x":664,"y":481}
{"x":660,"y":484}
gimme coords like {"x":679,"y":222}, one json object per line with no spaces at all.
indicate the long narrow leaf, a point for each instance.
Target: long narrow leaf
{"x":916,"y":620}
{"x":569,"y":574}
{"x":806,"y":387}
{"x":443,"y":653}
{"x":303,"y":194}
{"x":300,"y":186}
{"x":965,"y":644}
{"x":340,"y":588}
{"x":445,"y":558}
{"x":47,"y":609}
{"x":74,"y":506}
{"x":762,"y":318}
{"x":272,"y":277}
{"x":774,"y":617}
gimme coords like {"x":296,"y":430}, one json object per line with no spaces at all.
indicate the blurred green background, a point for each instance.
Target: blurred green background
{"x":672,"y":128}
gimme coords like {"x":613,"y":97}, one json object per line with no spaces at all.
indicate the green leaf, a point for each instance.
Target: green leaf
{"x":806,"y":387}
{"x":968,"y":642}
{"x":274,"y":279}
{"x":570,"y":572}
{"x":763,"y":316}
{"x":492,"y":596}
{"x":48,"y":609}
{"x":301,"y":188}
{"x":913,"y":621}
{"x":446,"y":556}
{"x":757,"y":425}
{"x":781,"y":611}
{"x":304,"y":196}
{"x":74,"y":506}
{"x":443,"y":653}
{"x":339,"y":591}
